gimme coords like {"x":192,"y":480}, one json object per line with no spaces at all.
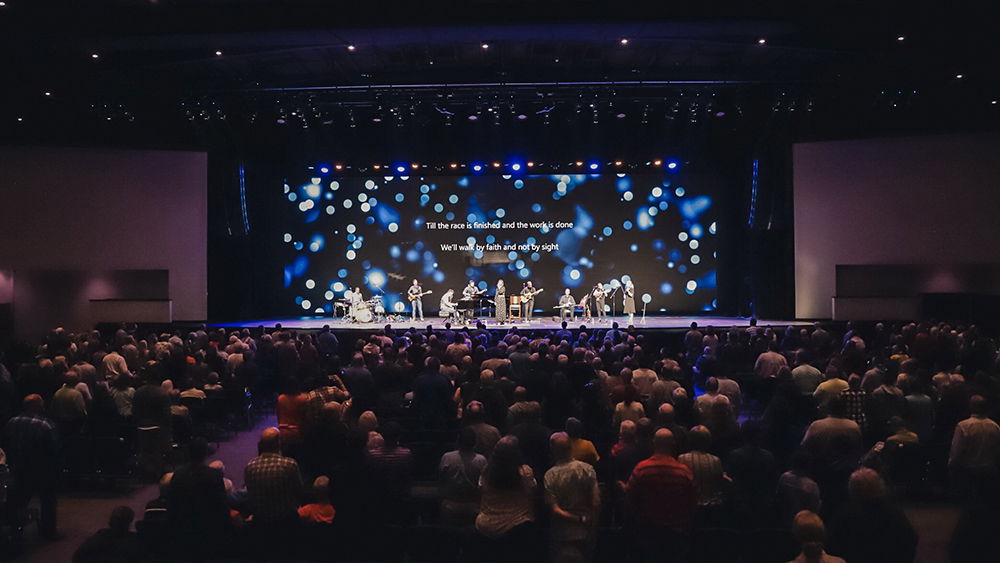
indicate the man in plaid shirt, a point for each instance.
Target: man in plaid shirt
{"x":273,"y":482}
{"x":32,"y":446}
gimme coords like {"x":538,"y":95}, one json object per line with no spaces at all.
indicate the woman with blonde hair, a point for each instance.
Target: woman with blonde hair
{"x":811,"y":534}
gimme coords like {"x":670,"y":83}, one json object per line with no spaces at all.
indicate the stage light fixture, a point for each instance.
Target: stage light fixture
{"x":20,"y":119}
{"x":762,"y":41}
{"x":901,"y":38}
{"x":532,"y":164}
{"x":515,"y":167}
{"x":657,"y":162}
{"x":415,"y":166}
{"x":338,"y":166}
{"x":4,"y":5}
{"x":624,"y":41}
{"x":959,"y":76}
{"x":618,"y":163}
{"x":592,"y":166}
{"x":351,"y":47}
{"x":579,"y":163}
{"x":400,"y":169}
{"x":324,"y":169}
{"x":496,"y":165}
{"x":453,"y":165}
{"x":485,"y":46}
{"x":47,"y":94}
{"x":218,"y":53}
{"x":993,"y":103}
{"x":376,"y":166}
{"x":477,"y":167}
{"x":672,"y":165}
{"x":95,"y":56}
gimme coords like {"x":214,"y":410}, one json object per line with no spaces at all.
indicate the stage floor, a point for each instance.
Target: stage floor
{"x":537,"y":323}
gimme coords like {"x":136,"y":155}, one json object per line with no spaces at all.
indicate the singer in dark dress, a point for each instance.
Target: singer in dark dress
{"x":500,"y":301}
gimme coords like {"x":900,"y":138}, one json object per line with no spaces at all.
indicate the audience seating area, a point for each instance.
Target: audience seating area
{"x":755,"y":445}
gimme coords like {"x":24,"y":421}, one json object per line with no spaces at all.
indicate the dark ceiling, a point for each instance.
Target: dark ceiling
{"x":148,"y":71}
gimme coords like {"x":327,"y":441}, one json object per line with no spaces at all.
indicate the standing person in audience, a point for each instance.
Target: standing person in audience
{"x":458,"y":474}
{"x":661,"y":500}
{"x":710,"y":480}
{"x":572,"y":495}
{"x":198,"y":505}
{"x":31,"y":443}
{"x":975,"y":449}
{"x":872,"y":529}
{"x":273,"y":483}
{"x":506,"y":511}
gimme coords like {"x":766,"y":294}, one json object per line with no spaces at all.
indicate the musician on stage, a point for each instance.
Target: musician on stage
{"x":500,"y":302}
{"x":357,"y":302}
{"x":629,"y":303}
{"x":415,"y":294}
{"x":598,"y":294}
{"x":448,"y":307}
{"x":527,"y":301}
{"x":470,"y":290}
{"x":566,"y":305}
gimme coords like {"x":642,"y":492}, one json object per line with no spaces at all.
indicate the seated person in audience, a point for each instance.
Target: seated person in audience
{"x":811,"y":534}
{"x":319,"y":511}
{"x":458,"y":473}
{"x":158,"y":510}
{"x":115,"y":543}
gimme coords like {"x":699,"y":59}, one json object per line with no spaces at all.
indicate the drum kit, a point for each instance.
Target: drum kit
{"x":372,"y":310}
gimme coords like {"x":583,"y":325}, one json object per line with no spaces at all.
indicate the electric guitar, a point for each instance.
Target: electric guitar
{"x":416,"y":296}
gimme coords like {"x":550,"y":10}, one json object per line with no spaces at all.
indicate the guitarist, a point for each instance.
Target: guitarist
{"x":599,"y":294}
{"x":415,"y":294}
{"x":528,"y":300}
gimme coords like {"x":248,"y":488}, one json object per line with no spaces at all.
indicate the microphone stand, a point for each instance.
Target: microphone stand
{"x":614,"y":290}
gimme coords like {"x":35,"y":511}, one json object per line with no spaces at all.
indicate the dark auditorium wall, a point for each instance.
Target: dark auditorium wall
{"x":931,"y":200}
{"x":85,"y":218}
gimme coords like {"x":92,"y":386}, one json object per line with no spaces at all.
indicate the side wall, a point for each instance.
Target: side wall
{"x":917,"y":200}
{"x":94,"y":211}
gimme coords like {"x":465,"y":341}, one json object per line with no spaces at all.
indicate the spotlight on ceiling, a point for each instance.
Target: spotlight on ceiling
{"x":901,"y":38}
{"x":762,"y":41}
{"x":351,"y":47}
{"x":485,"y":45}
{"x":624,"y":41}
{"x":95,"y":56}
{"x":218,"y":53}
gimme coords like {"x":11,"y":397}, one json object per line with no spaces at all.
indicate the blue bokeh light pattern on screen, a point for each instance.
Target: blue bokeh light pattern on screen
{"x":567,"y":231}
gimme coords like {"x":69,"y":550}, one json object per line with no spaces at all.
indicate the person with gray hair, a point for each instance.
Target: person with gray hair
{"x":872,"y":529}
{"x":573,"y":496}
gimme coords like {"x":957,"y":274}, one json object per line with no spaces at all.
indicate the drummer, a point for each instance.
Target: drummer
{"x":357,"y":302}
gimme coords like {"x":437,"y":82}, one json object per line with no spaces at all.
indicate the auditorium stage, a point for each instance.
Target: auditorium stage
{"x":538,"y":323}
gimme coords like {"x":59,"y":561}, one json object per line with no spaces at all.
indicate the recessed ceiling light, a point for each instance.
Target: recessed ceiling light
{"x":959,"y":76}
{"x":351,"y":47}
{"x":485,"y":46}
{"x":762,"y":41}
{"x":95,"y":56}
{"x":901,"y":38}
{"x":218,"y":53}
{"x":624,"y":41}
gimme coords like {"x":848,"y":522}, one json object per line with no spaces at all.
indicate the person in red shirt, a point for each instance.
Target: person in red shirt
{"x":320,"y":511}
{"x":660,"y":498}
